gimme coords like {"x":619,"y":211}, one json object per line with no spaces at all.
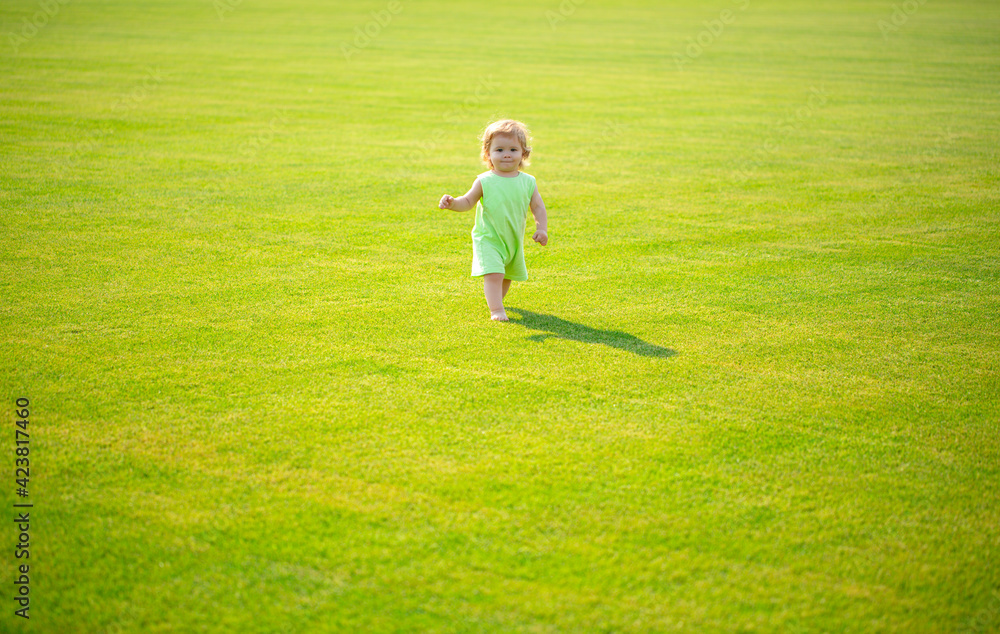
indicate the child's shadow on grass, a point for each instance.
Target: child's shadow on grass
{"x":560,"y":328}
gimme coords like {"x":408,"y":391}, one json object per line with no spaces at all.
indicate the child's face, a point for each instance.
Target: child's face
{"x":505,"y":153}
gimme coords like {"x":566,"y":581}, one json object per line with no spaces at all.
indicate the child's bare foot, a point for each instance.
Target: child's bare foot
{"x":499,"y":315}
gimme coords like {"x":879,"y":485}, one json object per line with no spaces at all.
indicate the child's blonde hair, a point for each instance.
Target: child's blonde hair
{"x":507,"y":127}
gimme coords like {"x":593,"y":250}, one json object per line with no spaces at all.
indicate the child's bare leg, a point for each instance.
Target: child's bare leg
{"x":493,"y":286}
{"x":506,"y":287}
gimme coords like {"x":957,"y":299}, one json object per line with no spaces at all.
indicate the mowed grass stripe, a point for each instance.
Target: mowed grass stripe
{"x":751,"y":383}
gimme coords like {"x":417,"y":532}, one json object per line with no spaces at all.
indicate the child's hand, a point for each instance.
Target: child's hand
{"x":541,"y":238}
{"x":446,"y":201}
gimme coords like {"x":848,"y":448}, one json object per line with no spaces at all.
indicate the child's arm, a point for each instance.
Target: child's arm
{"x":541,"y":219}
{"x":463,"y":203}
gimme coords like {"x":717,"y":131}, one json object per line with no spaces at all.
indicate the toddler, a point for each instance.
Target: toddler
{"x":502,"y":197}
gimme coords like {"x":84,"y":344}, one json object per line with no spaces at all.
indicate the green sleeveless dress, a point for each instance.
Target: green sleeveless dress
{"x":498,"y":236}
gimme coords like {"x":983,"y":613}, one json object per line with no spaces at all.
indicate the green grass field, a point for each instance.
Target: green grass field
{"x":751,"y":385}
